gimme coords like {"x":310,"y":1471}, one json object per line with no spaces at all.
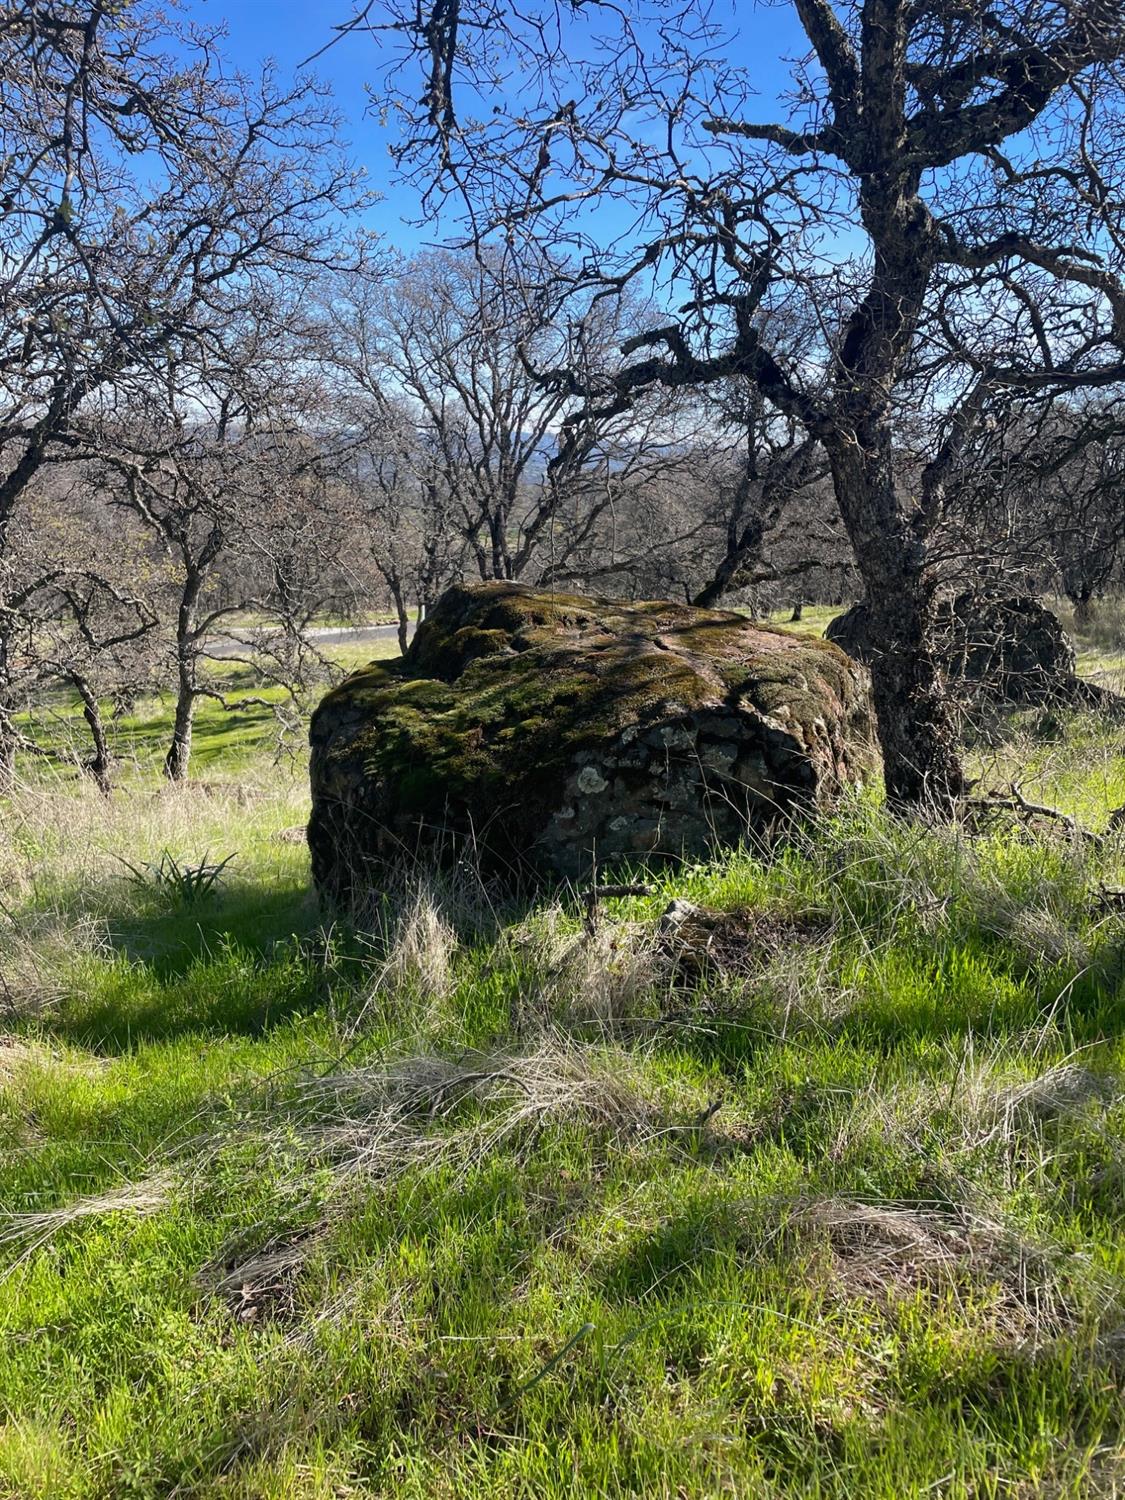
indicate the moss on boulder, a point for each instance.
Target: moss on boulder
{"x":547,"y":730}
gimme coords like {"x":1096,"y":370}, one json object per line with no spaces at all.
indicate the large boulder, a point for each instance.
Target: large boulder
{"x":1001,"y":650}
{"x":548,"y":730}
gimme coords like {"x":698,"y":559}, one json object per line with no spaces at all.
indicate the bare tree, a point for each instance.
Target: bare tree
{"x":448,"y":345}
{"x":1080,"y":501}
{"x":772,"y":464}
{"x":935,"y":153}
{"x":402,"y":518}
{"x":1035,"y":500}
{"x":216,"y":460}
{"x":147,"y":195}
{"x":82,"y":610}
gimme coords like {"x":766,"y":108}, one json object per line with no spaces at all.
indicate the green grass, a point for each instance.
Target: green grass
{"x":226,"y":740}
{"x":814,"y":618}
{"x":468,"y":1202}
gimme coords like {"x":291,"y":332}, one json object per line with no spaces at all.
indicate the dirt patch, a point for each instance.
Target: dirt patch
{"x":262,"y":1288}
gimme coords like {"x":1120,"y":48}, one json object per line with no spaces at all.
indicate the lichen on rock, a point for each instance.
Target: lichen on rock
{"x":549,"y":731}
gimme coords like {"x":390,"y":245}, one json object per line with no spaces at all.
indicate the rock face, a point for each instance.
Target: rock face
{"x":1004,"y":650}
{"x":547,"y":729}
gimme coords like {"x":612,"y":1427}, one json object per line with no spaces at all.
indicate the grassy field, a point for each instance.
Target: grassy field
{"x":471,"y":1201}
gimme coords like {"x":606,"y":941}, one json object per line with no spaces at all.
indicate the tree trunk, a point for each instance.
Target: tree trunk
{"x":402,"y":615}
{"x":798,"y":610}
{"x":178,"y":759}
{"x":9,"y":739}
{"x":499,"y":558}
{"x":99,"y":766}
{"x":921,"y":764}
{"x":744,"y":549}
{"x":8,"y":742}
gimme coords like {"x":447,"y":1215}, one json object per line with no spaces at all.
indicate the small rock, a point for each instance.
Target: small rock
{"x":676,"y":913}
{"x":295,"y":835}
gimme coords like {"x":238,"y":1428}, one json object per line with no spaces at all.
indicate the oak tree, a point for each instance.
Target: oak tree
{"x":934,"y":159}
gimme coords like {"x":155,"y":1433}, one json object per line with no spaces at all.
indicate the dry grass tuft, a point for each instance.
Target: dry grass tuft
{"x":1066,"y":1089}
{"x":422,"y":948}
{"x":986,"y":1105}
{"x":37,"y":952}
{"x":579,"y":977}
{"x":19,"y":1053}
{"x":382,"y":1121}
{"x":27,"y":1232}
{"x":1035,"y":933}
{"x":417,"y":944}
{"x":424,"y":1114}
{"x":892,"y":1253}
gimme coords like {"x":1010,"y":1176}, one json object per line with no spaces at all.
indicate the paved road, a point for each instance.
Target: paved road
{"x":225,"y":645}
{"x":355,"y":634}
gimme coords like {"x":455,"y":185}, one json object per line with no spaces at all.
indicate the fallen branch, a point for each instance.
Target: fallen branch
{"x":1015,"y":801}
{"x":1109,"y":899}
{"x":598,"y":893}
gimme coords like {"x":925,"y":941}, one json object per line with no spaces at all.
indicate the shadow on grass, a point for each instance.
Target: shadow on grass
{"x":234,"y":964}
{"x":169,"y":939}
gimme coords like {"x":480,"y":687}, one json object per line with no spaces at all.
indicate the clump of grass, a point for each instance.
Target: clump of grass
{"x":37,"y":955}
{"x":418,"y":945}
{"x":428,"y":1111}
{"x":412,"y":1119}
{"x":28,"y":1231}
{"x":896,"y":1253}
{"x":601,"y":977}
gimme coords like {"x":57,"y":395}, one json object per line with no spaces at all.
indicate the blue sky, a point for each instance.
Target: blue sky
{"x":288,"y":31}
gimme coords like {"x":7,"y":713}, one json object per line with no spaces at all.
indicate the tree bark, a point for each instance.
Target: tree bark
{"x":8,"y":743}
{"x":735,"y":566}
{"x":99,"y":766}
{"x":178,"y":758}
{"x":9,"y":739}
{"x":402,"y":615}
{"x":921,"y":764}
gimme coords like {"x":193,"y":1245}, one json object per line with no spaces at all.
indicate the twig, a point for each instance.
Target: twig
{"x":705,"y":1116}
{"x":1109,"y":898}
{"x":598,"y":893}
{"x":556,"y":1359}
